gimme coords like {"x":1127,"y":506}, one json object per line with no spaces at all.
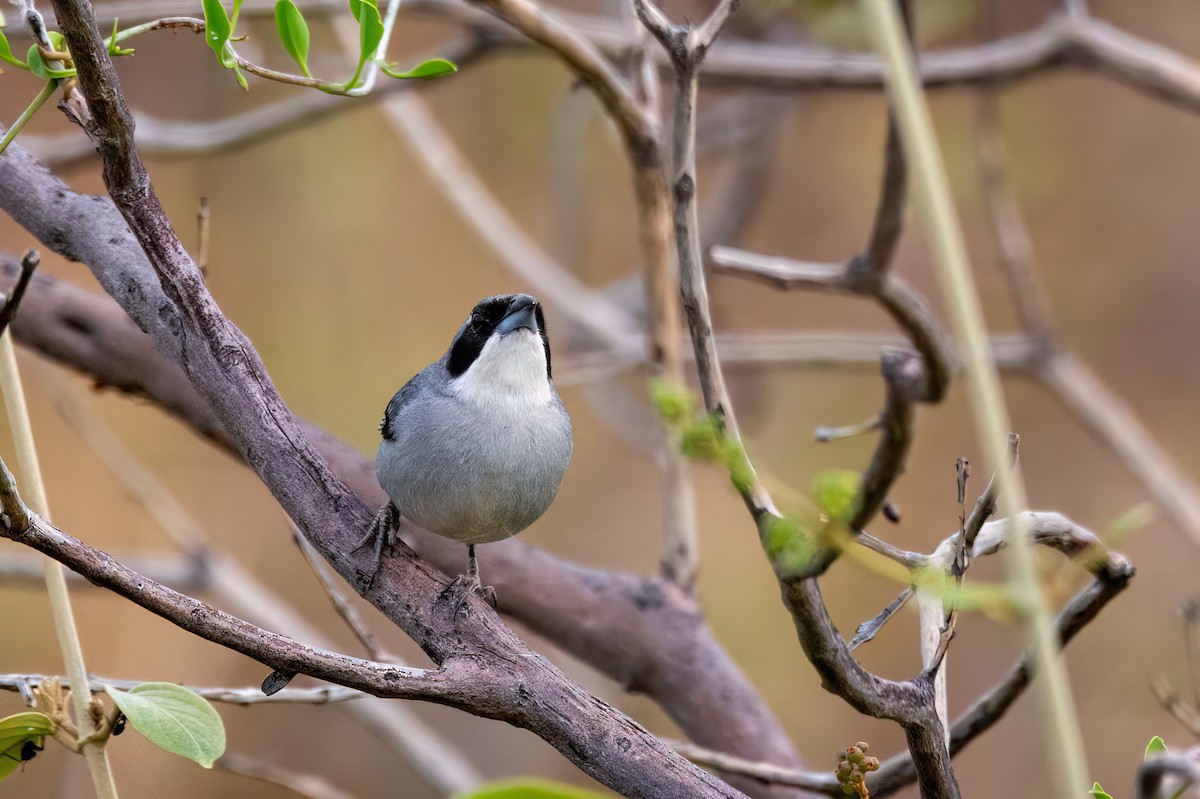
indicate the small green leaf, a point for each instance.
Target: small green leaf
{"x":1099,"y":792}
{"x":1156,"y":747}
{"x":175,"y":719}
{"x":370,"y":26}
{"x":293,"y":32}
{"x":836,"y":493}
{"x":17,"y":731}
{"x":674,"y":402}
{"x":6,"y":53}
{"x":23,"y":726}
{"x":114,"y":49}
{"x":217,"y":29}
{"x":701,"y":440}
{"x":37,"y":64}
{"x":433,"y":68}
{"x":529,"y":788}
{"x":787,"y":546}
{"x":237,"y":9}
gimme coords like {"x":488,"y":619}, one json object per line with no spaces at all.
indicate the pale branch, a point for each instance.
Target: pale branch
{"x":1061,"y":41}
{"x":309,"y":786}
{"x":184,"y":573}
{"x":341,"y":603}
{"x":1056,"y":368}
{"x":449,"y":173}
{"x":1168,"y":775}
{"x":903,"y":303}
{"x":249,"y":695}
{"x":587,"y":62}
{"x":819,"y":782}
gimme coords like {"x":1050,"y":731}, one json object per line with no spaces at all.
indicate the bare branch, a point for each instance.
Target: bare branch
{"x":758,"y":770}
{"x":586,"y":61}
{"x":310,"y":786}
{"x":323,"y":695}
{"x":341,"y":603}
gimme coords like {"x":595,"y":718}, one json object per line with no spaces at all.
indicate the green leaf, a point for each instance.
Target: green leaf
{"x":115,"y":49}
{"x":530,"y":788}
{"x":836,"y":493}
{"x":370,"y":26}
{"x":217,"y":29}
{"x":1099,"y":792}
{"x":293,"y":32}
{"x":37,"y":64}
{"x":15,"y":732}
{"x":175,"y":719}
{"x":6,"y":53}
{"x":701,"y":440}
{"x":433,"y":68}
{"x":24,"y":726}
{"x":237,"y":9}
{"x":1156,"y":747}
{"x":787,"y":546}
{"x":674,"y":402}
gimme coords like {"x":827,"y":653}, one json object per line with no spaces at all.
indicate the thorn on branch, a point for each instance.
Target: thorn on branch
{"x":276,"y":681}
{"x":29,"y":264}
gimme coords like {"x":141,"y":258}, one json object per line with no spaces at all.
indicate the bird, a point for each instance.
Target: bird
{"x":474,"y":446}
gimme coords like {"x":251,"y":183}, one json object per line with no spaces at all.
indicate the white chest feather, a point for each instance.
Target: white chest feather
{"x":510,"y":371}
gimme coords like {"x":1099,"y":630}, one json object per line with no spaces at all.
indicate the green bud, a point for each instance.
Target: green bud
{"x":673,"y":401}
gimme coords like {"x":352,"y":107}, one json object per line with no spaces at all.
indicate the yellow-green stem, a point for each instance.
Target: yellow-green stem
{"x":34,"y":492}
{"x":1066,"y":752}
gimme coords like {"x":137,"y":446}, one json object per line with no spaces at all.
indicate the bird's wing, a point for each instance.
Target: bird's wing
{"x":404,"y":396}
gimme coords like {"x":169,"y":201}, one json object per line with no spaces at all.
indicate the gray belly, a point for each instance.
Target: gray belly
{"x":475,"y":480}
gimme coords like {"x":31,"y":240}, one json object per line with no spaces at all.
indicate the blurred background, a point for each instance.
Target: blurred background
{"x":349,"y":271}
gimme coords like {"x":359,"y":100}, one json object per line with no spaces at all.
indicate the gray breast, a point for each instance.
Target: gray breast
{"x":470,"y":473}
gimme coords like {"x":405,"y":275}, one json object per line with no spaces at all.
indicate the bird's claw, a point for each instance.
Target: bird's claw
{"x":384,"y":531}
{"x":466,"y":584}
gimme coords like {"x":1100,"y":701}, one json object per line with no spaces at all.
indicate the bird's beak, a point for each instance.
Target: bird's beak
{"x":521,"y":313}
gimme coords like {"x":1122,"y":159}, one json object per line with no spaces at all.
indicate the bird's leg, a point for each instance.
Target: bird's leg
{"x":469,"y":583}
{"x":383,"y":532}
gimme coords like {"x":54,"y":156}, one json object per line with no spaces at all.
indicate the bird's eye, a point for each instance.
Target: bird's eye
{"x":476,"y":319}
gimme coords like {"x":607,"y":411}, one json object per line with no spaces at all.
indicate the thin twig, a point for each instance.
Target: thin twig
{"x":310,"y":786}
{"x":251,"y":695}
{"x":341,"y":603}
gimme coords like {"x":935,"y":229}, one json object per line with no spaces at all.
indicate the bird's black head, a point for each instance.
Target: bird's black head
{"x":496,"y":316}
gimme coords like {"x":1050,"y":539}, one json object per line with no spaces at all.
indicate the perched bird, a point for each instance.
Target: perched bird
{"x":475,"y":445}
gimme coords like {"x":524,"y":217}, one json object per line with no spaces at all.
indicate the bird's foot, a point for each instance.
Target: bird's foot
{"x":383,"y":531}
{"x":466,"y":584}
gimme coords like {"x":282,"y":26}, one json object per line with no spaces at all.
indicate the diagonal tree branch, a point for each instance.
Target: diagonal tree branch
{"x":225,"y":368}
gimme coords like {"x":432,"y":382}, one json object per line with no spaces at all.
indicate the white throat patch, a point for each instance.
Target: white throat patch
{"x":509,"y":369}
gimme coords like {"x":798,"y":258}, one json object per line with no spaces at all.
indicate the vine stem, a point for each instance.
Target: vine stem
{"x":34,"y":491}
{"x":45,"y":94}
{"x":936,"y":203}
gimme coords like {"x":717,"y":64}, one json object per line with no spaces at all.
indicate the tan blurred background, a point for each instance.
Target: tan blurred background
{"x":349,"y":272}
